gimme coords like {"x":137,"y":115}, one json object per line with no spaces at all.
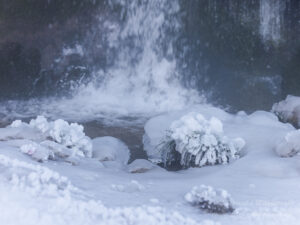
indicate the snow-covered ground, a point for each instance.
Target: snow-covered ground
{"x":75,"y":188}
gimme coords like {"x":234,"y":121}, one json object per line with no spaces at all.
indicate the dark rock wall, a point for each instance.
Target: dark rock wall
{"x":220,"y":49}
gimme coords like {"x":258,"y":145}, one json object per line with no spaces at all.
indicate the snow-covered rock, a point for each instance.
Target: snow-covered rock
{"x":289,"y":145}
{"x":110,"y":149}
{"x":288,"y":110}
{"x":209,"y":199}
{"x":140,"y":166}
{"x":194,"y":141}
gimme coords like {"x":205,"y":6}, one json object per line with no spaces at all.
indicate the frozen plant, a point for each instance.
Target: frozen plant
{"x":71,"y":136}
{"x":209,"y":199}
{"x":290,"y":145}
{"x":193,"y":141}
{"x":53,"y":139}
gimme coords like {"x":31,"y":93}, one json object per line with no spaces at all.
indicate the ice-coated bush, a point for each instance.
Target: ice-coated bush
{"x":193,"y":141}
{"x":290,"y":145}
{"x":210,"y":199}
{"x":54,"y":139}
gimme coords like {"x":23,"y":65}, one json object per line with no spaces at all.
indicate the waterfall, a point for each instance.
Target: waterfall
{"x":271,"y":19}
{"x":140,"y":75}
{"x":143,"y":76}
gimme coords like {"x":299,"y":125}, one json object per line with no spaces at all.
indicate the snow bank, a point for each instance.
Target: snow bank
{"x":288,"y":110}
{"x":35,"y":179}
{"x":49,"y":140}
{"x":289,"y":145}
{"x":110,"y":149}
{"x":32,"y":194}
{"x":194,"y":141}
{"x":133,"y":186}
{"x":210,"y":199}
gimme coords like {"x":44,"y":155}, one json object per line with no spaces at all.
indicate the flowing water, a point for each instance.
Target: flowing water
{"x":112,"y":61}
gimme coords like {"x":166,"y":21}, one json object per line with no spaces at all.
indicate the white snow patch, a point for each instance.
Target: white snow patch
{"x":289,"y":145}
{"x":133,"y":186}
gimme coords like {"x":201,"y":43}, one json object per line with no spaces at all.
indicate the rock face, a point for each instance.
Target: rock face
{"x":33,"y":34}
{"x":245,"y":54}
{"x":19,"y":67}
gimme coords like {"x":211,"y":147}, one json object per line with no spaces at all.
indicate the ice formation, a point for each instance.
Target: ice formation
{"x":289,"y":145}
{"x":49,"y":140}
{"x":194,"y":141}
{"x":209,"y":199}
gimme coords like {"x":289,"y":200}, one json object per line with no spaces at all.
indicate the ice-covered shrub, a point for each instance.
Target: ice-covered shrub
{"x":288,"y":110}
{"x":53,"y":139}
{"x":289,"y":145}
{"x":210,"y":199}
{"x":71,"y":136}
{"x":193,"y":141}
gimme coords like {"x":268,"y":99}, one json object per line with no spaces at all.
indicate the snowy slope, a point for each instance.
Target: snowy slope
{"x":264,"y":186}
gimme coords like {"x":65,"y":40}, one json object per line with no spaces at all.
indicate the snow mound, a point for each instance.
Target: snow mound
{"x":290,"y":145}
{"x":140,"y":166}
{"x":49,"y":139}
{"x":288,"y":110}
{"x":194,"y":141}
{"x":34,"y":179}
{"x":37,"y":195}
{"x":110,"y":149}
{"x":209,"y":199}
